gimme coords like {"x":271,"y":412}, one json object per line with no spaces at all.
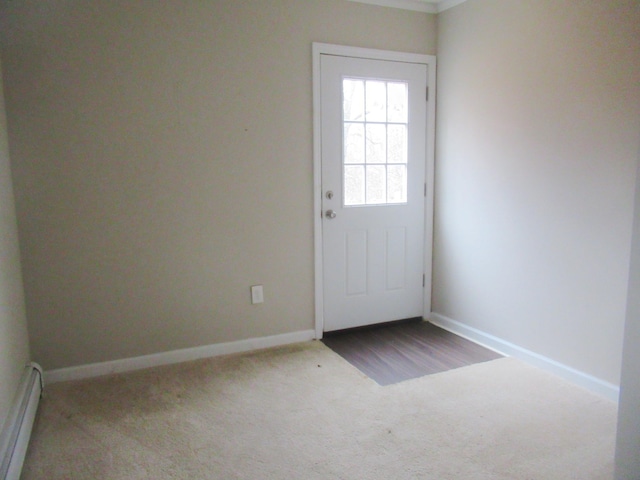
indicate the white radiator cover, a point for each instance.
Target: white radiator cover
{"x":14,"y":438}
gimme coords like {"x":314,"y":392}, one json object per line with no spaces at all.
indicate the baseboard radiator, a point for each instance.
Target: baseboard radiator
{"x":14,"y":438}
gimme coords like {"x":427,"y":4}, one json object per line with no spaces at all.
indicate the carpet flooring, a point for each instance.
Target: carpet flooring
{"x":303,"y":412}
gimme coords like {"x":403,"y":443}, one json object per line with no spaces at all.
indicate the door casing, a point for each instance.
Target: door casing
{"x":355,"y":52}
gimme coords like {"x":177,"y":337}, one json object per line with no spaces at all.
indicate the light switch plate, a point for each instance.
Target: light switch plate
{"x":257,"y":294}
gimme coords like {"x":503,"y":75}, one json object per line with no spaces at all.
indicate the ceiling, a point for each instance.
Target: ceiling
{"x":429,"y":6}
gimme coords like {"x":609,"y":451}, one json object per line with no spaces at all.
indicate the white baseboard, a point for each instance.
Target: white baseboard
{"x":175,"y":356}
{"x":570,"y":374}
{"x":16,"y":432}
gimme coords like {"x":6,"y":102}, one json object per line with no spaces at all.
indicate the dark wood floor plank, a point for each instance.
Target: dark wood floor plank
{"x":411,"y":349}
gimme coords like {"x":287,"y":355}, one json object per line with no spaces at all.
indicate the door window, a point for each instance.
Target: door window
{"x":375,"y":126}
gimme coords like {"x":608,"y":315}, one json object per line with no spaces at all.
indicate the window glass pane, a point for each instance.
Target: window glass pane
{"x":396,"y":143}
{"x":354,"y":185}
{"x":376,"y":95}
{"x":376,"y":184}
{"x":398,"y":101}
{"x":376,"y":143}
{"x":353,"y":143}
{"x":397,"y":184}
{"x":353,"y":99}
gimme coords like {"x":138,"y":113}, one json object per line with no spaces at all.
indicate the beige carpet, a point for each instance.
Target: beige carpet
{"x":302,"y":412}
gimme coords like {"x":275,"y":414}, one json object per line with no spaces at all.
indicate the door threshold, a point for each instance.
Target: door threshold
{"x":374,"y":326}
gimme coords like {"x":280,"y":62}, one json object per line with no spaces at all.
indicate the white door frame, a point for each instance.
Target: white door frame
{"x":366,"y":53}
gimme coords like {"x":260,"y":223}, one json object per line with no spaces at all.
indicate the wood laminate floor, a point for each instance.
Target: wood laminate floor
{"x":410,"y":349}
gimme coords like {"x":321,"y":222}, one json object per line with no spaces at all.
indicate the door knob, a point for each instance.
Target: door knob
{"x":330,"y":214}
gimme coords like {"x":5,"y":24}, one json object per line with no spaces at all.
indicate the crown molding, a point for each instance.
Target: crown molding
{"x":443,"y":5}
{"x":427,"y":6}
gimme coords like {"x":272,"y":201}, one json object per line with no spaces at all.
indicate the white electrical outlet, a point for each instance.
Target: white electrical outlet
{"x":257,"y":294}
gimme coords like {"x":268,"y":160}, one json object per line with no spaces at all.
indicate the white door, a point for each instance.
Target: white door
{"x":373,"y":155}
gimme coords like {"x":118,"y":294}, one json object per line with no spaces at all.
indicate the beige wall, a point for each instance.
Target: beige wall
{"x":162,"y":155}
{"x":628,"y":441}
{"x":14,"y":346}
{"x":538,"y":121}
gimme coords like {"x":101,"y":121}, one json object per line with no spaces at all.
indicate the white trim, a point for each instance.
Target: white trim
{"x":414,"y":5}
{"x":447,"y":4}
{"x":499,"y":345}
{"x":175,"y":356}
{"x":319,"y":49}
{"x":16,"y":431}
{"x":369,"y":54}
{"x":425,"y":6}
{"x":430,"y":180}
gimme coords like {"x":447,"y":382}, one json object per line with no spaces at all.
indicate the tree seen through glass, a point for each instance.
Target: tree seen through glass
{"x":375,"y":121}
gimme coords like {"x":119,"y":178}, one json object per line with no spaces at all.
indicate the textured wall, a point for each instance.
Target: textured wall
{"x":538,"y":121}
{"x":162,"y":155}
{"x":14,"y":346}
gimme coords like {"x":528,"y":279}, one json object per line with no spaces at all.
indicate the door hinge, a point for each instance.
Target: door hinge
{"x":425,"y":189}
{"x":427,"y":94}
{"x":424,"y":279}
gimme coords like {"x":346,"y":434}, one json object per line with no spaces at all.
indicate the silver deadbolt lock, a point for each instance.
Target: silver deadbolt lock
{"x":330,"y":214}
{"x":329,"y":194}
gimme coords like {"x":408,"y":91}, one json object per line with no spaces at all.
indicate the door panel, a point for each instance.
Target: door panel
{"x":356,"y":262}
{"x":396,"y":258}
{"x":373,"y":127}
